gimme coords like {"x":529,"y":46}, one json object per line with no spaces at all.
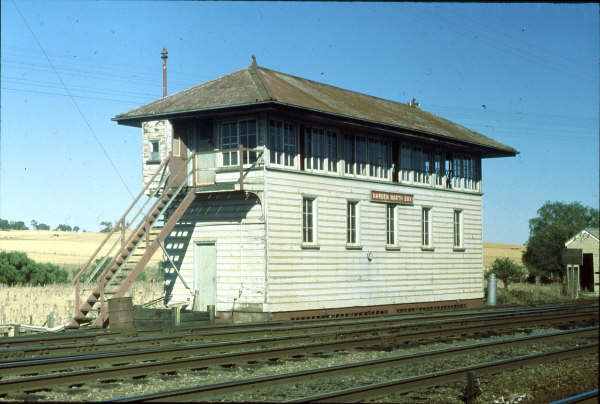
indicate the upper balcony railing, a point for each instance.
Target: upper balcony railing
{"x":210,"y":163}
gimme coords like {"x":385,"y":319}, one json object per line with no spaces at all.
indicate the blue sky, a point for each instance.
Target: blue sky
{"x":523,"y":74}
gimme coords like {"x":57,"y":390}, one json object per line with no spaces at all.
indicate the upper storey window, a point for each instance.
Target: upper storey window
{"x":234,"y":134}
{"x":282,"y":143}
{"x":366,"y":156}
{"x":320,"y":149}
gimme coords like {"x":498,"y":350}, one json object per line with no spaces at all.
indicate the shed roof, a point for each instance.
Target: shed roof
{"x":592,"y":231}
{"x":258,"y":85}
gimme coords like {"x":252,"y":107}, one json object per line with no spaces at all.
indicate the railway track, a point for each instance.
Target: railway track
{"x":94,"y":335}
{"x":319,"y":331}
{"x":214,"y":392}
{"x":140,"y":361}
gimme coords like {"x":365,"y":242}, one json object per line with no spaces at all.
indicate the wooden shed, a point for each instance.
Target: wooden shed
{"x":313,"y":201}
{"x":587,"y":241}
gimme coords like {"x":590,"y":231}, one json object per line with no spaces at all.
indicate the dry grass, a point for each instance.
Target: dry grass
{"x":65,"y":249}
{"x":491,"y":251}
{"x":20,"y":303}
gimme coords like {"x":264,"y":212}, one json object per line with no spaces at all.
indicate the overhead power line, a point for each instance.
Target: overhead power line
{"x":73,"y":100}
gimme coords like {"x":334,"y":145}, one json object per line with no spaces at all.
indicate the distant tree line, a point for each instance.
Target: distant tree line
{"x":35,"y":225}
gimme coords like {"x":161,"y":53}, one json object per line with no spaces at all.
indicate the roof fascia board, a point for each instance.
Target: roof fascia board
{"x":575,"y":237}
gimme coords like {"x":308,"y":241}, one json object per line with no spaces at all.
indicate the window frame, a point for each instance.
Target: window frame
{"x":284,"y":156}
{"x":320,"y":161}
{"x":390,"y":225}
{"x":458,"y":229}
{"x":426,"y":228}
{"x":249,"y":156}
{"x":313,"y":242}
{"x":155,"y":155}
{"x":352,"y":223}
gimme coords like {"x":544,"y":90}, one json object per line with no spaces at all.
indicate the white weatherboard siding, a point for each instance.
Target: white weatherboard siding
{"x":237,"y":227}
{"x":334,"y":276}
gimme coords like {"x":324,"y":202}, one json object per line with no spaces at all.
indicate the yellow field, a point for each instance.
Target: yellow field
{"x":19,"y":304}
{"x":72,"y":250}
{"x":65,"y":249}
{"x":491,"y":251}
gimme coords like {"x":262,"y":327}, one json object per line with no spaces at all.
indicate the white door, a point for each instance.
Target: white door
{"x":205,"y":274}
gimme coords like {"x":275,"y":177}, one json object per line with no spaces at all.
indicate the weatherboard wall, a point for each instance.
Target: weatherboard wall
{"x":330,"y":275}
{"x":235,"y":224}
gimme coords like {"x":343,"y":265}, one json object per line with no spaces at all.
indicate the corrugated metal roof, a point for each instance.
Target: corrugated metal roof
{"x":254,"y":85}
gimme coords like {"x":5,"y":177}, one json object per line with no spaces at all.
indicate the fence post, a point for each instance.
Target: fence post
{"x":50,"y":320}
{"x":211,"y":313}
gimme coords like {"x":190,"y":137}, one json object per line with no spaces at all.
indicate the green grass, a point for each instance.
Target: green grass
{"x":528,"y":294}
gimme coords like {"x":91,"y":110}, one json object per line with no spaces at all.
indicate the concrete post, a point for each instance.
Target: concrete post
{"x":176,"y":315}
{"x":491,"y":290}
{"x":211,"y":313}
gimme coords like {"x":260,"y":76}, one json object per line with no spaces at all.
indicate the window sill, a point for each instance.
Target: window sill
{"x":310,"y":246}
{"x":459,"y":249}
{"x":153,"y":161}
{"x":425,"y":248}
{"x":353,"y":247}
{"x":390,"y":247}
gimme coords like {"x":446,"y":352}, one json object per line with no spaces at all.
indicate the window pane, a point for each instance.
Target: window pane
{"x":332,"y":151}
{"x":349,"y":154}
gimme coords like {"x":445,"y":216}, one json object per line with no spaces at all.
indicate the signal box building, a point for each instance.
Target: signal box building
{"x":311,"y":201}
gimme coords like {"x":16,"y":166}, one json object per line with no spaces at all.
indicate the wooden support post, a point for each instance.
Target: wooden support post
{"x":17,"y":330}
{"x":50,"y":320}
{"x":241,"y":151}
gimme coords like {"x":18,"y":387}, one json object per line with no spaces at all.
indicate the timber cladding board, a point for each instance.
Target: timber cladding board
{"x":347,"y":274}
{"x":235,"y":225}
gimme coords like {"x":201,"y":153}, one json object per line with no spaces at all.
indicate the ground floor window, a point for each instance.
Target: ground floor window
{"x":426,"y":227}
{"x":458,"y":228}
{"x":351,"y":222}
{"x":307,"y":220}
{"x":390,"y":224}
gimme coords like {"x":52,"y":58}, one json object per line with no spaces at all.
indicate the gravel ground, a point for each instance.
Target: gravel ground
{"x":530,"y":384}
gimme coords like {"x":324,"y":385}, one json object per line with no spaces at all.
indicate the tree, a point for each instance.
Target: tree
{"x":556,"y":223}
{"x":43,"y":226}
{"x":18,"y":269}
{"x":63,"y":227}
{"x":507,"y":271}
{"x":106,"y":226}
{"x":75,"y":229}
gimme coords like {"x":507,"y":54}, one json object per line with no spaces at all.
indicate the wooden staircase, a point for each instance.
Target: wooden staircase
{"x":138,"y":242}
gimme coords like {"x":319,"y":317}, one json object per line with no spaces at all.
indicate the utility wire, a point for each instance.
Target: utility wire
{"x":74,"y":102}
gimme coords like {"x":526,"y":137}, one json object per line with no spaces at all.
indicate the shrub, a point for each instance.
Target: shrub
{"x":507,"y":271}
{"x":16,"y":268}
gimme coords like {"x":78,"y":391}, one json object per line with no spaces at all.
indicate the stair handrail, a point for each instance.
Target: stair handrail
{"x":146,"y":223}
{"x":120,"y":222}
{"x":161,"y":184}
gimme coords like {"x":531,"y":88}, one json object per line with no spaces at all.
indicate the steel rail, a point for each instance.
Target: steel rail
{"x":441,"y":326}
{"x":213,"y":392}
{"x":75,"y":377}
{"x":407,"y":331}
{"x":80,"y":335}
{"x":324,"y":340}
{"x":446,"y":377}
{"x":587,"y":397}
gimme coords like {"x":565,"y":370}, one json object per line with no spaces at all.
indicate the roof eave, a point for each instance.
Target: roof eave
{"x":136,"y":121}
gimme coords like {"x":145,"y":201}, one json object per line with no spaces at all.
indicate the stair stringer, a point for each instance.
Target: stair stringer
{"x":150,"y":250}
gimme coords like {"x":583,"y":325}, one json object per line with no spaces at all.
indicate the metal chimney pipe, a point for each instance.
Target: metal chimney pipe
{"x":164,"y":55}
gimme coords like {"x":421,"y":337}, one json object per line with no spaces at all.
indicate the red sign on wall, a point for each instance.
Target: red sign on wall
{"x":390,"y":197}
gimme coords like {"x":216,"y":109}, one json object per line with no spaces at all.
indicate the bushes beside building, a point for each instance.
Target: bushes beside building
{"x":16,"y":268}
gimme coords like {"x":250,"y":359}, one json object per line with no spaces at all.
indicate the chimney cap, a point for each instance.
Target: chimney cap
{"x":254,"y":60}
{"x":164,"y":53}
